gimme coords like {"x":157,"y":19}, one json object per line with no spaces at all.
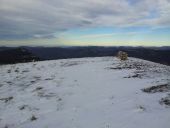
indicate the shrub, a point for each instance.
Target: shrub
{"x":122,"y":55}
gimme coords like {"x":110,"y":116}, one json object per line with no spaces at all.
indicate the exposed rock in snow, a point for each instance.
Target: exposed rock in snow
{"x":100,"y":92}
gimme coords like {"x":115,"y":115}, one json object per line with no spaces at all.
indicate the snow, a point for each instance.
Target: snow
{"x":83,"y":93}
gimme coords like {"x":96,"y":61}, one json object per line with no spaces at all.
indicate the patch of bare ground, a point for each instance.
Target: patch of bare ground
{"x":165,"y":100}
{"x":134,"y":76}
{"x":131,"y":65}
{"x":158,"y":88}
{"x":33,"y":118}
{"x":7,"y":99}
{"x":68,"y":64}
{"x":141,"y":67}
{"x":1,"y":85}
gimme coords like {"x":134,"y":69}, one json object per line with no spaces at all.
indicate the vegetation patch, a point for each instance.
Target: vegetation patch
{"x":33,"y":118}
{"x":9,"y":71}
{"x":121,"y":67}
{"x":25,"y":71}
{"x":46,"y":95}
{"x":165,"y":100}
{"x":16,"y":70}
{"x":48,"y":79}
{"x":9,"y":82}
{"x":158,"y":88}
{"x":1,"y":85}
{"x":23,"y":107}
{"x":122,"y":55}
{"x":7,"y":99}
{"x":38,"y":88}
{"x":133,"y":76}
{"x":71,"y":63}
{"x":37,"y":77}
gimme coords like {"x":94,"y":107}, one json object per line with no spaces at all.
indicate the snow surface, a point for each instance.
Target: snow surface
{"x":83,"y":93}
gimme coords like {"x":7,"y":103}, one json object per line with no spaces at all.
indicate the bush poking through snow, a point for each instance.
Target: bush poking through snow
{"x":142,"y":108}
{"x":59,"y":99}
{"x":23,"y":107}
{"x":122,"y":55}
{"x":1,"y":85}
{"x":6,"y":126}
{"x":9,"y":71}
{"x":165,"y":100}
{"x":39,"y":88}
{"x":158,"y":88}
{"x":33,"y":118}
{"x":7,"y":99}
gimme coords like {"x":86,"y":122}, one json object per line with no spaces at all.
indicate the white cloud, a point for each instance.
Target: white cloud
{"x":29,"y":18}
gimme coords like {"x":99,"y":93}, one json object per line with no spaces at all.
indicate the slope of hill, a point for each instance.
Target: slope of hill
{"x":155,"y":54}
{"x":16,"y":55}
{"x":100,"y":92}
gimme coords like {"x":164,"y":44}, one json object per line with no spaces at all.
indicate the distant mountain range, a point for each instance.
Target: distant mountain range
{"x":16,"y":55}
{"x":9,"y":55}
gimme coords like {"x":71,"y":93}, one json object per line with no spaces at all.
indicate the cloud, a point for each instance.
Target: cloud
{"x":44,"y":18}
{"x":107,"y":35}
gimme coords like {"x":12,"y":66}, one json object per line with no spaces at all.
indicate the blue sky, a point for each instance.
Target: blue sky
{"x":85,"y":22}
{"x":135,"y":36}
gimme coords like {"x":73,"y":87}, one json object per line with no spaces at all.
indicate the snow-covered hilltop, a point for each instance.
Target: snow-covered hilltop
{"x":98,"y":92}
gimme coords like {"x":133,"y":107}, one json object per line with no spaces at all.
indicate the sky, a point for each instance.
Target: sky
{"x":84,"y":22}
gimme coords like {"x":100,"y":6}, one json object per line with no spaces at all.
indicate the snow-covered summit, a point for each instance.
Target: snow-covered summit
{"x":101,"y":92}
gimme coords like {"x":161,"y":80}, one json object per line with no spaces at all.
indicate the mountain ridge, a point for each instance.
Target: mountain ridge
{"x":155,"y":54}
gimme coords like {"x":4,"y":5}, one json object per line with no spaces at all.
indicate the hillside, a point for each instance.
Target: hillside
{"x":154,"y":54}
{"x":10,"y":55}
{"x":16,"y":55}
{"x":99,"y":92}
